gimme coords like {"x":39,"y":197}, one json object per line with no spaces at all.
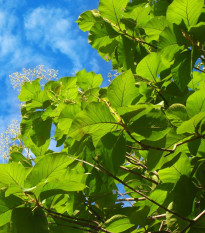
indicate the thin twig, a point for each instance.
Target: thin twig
{"x":128,"y":35}
{"x":140,"y":175}
{"x":132,"y":199}
{"x":138,"y":192}
{"x":191,"y":223}
{"x":199,"y":69}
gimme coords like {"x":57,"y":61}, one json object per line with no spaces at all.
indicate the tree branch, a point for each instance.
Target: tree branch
{"x":193,"y":221}
{"x":140,"y":175}
{"x":138,"y":192}
{"x":196,"y":68}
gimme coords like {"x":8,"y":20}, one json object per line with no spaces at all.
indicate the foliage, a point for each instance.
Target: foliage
{"x":144,"y":131}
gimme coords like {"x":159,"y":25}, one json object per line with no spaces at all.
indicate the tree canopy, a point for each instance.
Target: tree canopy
{"x":144,"y":133}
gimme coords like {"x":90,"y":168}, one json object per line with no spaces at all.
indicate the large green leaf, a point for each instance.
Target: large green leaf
{"x":152,"y":126}
{"x":196,"y":103}
{"x":118,"y":223}
{"x":151,"y":66}
{"x":198,"y":226}
{"x":7,"y":204}
{"x":88,"y":80}
{"x":112,"y":9}
{"x":186,"y":10}
{"x":173,"y":173}
{"x":192,"y":125}
{"x":171,"y":41}
{"x":52,"y":166}
{"x":12,"y":173}
{"x":154,"y":27}
{"x":29,"y":90}
{"x":87,"y":19}
{"x":103,"y":38}
{"x":122,"y":90}
{"x":111,"y":150}
{"x":95,"y":120}
{"x":26,"y":220}
{"x":177,"y":114}
{"x":181,"y":70}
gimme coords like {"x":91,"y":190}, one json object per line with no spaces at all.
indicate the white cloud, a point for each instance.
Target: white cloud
{"x":53,"y":27}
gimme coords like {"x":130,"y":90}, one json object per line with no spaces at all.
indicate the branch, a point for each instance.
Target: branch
{"x":193,"y":221}
{"x":123,"y":32}
{"x":140,"y":175}
{"x":138,"y":192}
{"x":196,"y":68}
{"x":183,"y":142}
{"x":158,"y":216}
{"x":78,"y":221}
{"x":132,"y":199}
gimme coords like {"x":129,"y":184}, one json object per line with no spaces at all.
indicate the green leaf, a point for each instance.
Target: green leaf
{"x":88,"y":80}
{"x":186,"y":10}
{"x":152,"y":126}
{"x":87,"y":19}
{"x":118,"y":223}
{"x":12,"y":173}
{"x":183,"y":204}
{"x":7,"y":204}
{"x":58,"y":186}
{"x":171,"y":41}
{"x":154,"y":27}
{"x":173,"y":173}
{"x":51,"y":166}
{"x":198,"y":226}
{"x":29,"y":90}
{"x":177,"y":114}
{"x":126,"y":54}
{"x":65,"y":119}
{"x":112,"y":9}
{"x":158,"y":196}
{"x":122,"y":90}
{"x":150,"y":67}
{"x":181,"y":70}
{"x":95,"y":120}
{"x":197,"y":81}
{"x":111,"y":150}
{"x":103,"y":38}
{"x":197,"y":32}
{"x":25,"y":220}
{"x":191,"y":126}
{"x":41,"y":131}
{"x":196,"y":103}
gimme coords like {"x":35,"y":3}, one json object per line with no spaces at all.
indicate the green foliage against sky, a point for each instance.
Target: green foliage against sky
{"x":145,"y":131}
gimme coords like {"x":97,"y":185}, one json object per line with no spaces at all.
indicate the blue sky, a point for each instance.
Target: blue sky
{"x":42,"y":32}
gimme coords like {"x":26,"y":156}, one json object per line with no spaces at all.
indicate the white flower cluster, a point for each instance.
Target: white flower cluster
{"x":9,"y":138}
{"x":17,"y":79}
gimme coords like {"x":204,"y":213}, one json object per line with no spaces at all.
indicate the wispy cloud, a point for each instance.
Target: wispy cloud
{"x":53,"y":27}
